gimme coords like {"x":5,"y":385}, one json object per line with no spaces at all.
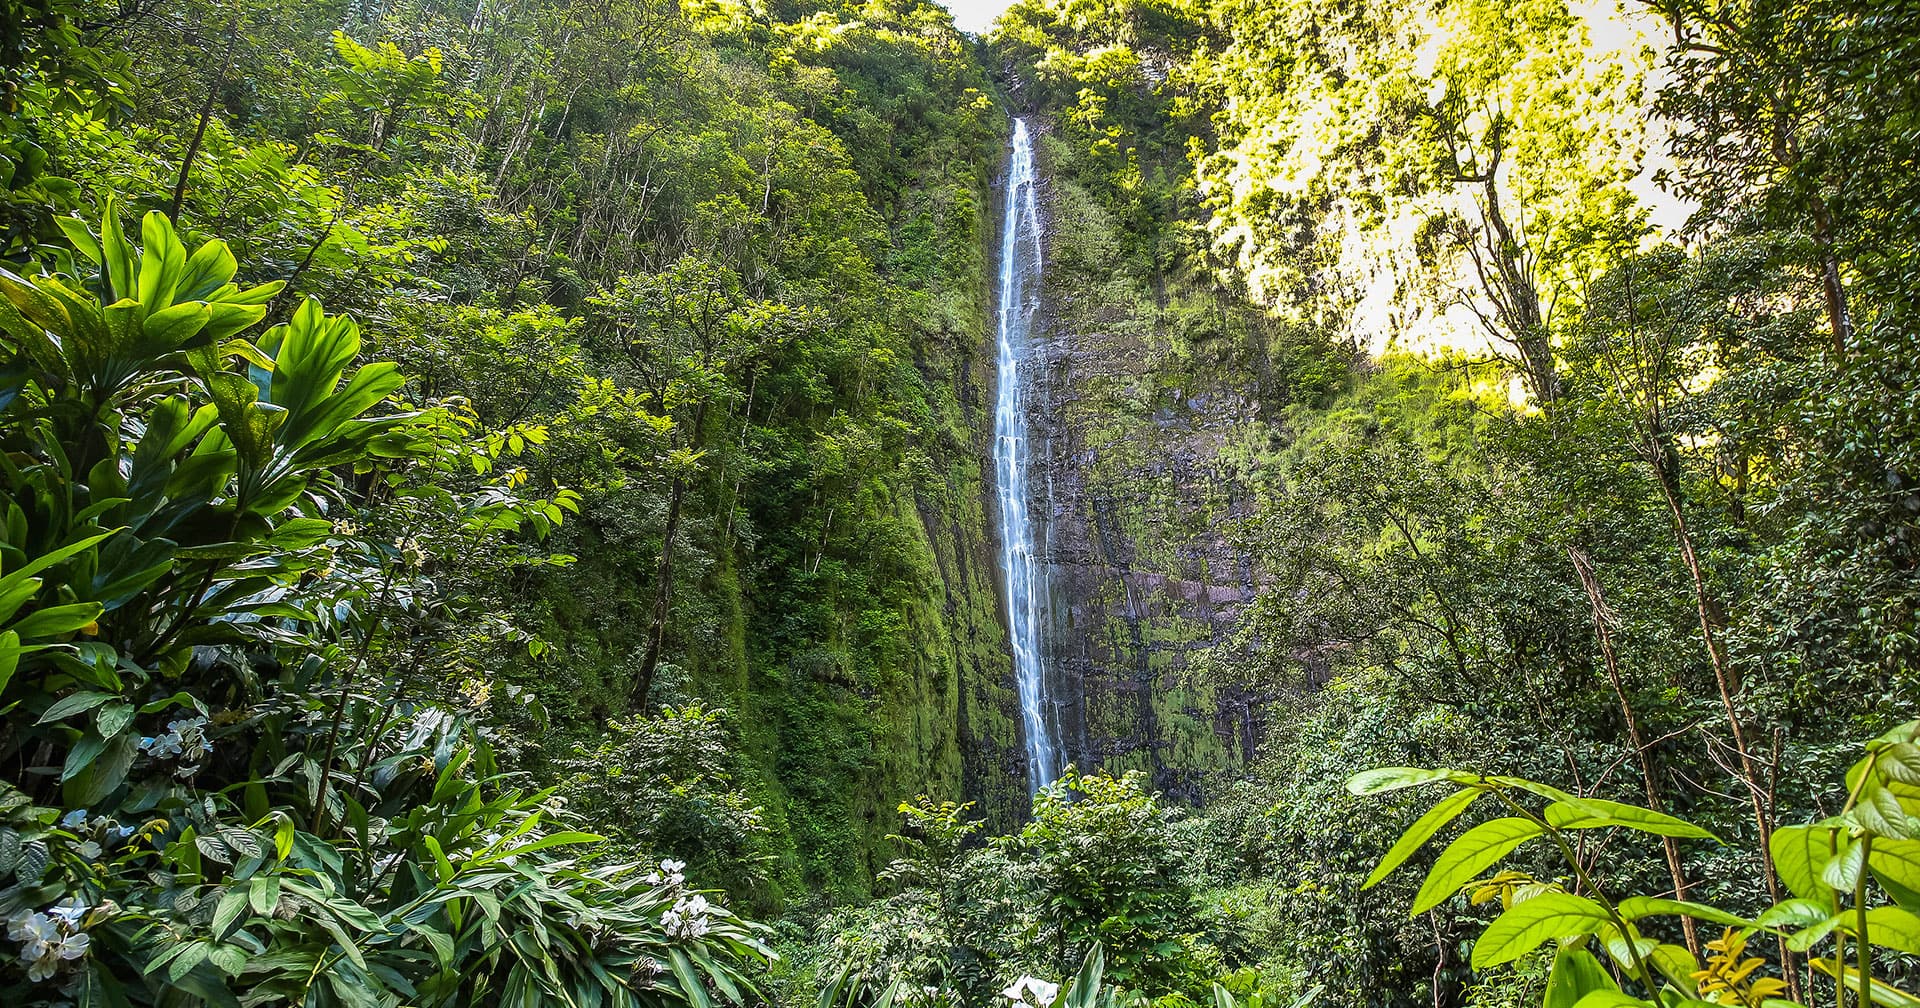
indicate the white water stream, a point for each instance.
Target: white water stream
{"x":1025,"y":582}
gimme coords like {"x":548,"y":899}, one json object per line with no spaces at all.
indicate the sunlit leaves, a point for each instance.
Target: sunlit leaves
{"x":1527,"y":924}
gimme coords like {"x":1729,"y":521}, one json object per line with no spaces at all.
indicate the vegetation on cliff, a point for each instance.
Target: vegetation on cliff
{"x":495,"y":508}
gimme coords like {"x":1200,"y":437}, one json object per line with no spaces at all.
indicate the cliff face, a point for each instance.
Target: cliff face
{"x":1152,"y":413}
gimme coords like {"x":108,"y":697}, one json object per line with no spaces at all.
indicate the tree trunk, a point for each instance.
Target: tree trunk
{"x":1839,"y":320}
{"x":1635,"y":736}
{"x":662,"y":598}
{"x":1723,"y":677}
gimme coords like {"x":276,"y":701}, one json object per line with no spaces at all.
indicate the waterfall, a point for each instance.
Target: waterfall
{"x":1026,"y":587}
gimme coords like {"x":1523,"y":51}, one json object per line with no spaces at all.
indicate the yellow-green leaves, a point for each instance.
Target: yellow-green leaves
{"x":1596,"y":813}
{"x":1635,"y":907}
{"x":119,"y":262}
{"x":162,"y":261}
{"x":1485,"y":845}
{"x":1800,"y":855}
{"x":1471,"y":853}
{"x":1421,"y":831}
{"x":1576,"y":974}
{"x":1894,"y":927}
{"x":1896,"y":866}
{"x":1529,"y":923}
{"x":1380,"y":780}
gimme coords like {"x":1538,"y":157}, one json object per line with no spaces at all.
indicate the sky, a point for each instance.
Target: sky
{"x":975,"y":15}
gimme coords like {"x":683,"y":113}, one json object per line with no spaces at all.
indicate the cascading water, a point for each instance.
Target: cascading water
{"x":1019,"y":297}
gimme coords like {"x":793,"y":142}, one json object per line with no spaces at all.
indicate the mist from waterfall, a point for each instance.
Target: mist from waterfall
{"x":1025,"y":584}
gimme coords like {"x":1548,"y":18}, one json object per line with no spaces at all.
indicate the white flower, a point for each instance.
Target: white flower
{"x":30,"y":927}
{"x":72,"y":946}
{"x":670,"y":873}
{"x":48,"y":939}
{"x":688,"y":918}
{"x":1041,"y":991}
{"x":71,"y":910}
{"x":74,"y":820}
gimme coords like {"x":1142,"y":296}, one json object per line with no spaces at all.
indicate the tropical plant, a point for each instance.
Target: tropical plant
{"x":208,"y":793}
{"x":1836,"y":869}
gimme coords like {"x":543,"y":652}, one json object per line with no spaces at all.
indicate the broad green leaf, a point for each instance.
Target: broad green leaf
{"x":1611,"y":999}
{"x":1794,"y":913}
{"x":228,"y":959}
{"x":80,"y":236}
{"x":263,"y":894}
{"x":1800,"y":855}
{"x":82,"y":755}
{"x":1380,"y":780}
{"x":10,"y":652}
{"x":1843,"y":871}
{"x":1593,"y":813}
{"x":440,"y":941}
{"x":1576,"y":974}
{"x":1901,"y":762}
{"x":74,"y":703}
{"x":113,"y":717}
{"x":1531,"y":922}
{"x":13,"y":598}
{"x":1084,"y":991}
{"x":1896,"y":866}
{"x":1813,"y":934}
{"x":1436,"y":818}
{"x":1879,"y":991}
{"x":41,"y":563}
{"x":162,"y":261}
{"x":1470,"y":854}
{"x":229,"y":913}
{"x":54,"y":621}
{"x":120,"y":260}
{"x":224,"y":320}
{"x":1636,"y":907}
{"x":1546,"y":791}
{"x":1625,"y":947}
{"x":283,"y":837}
{"x":1909,"y":732}
{"x":1894,"y":928}
{"x":210,"y":268}
{"x":182,"y":964}
{"x":1676,"y":964}
{"x":242,"y":841}
{"x":691,"y":986}
{"x":1879,"y":812}
{"x":171,"y":327}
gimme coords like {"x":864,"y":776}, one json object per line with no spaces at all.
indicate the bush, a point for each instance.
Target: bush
{"x":233,"y":772}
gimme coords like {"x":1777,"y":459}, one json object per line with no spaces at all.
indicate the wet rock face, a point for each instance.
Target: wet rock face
{"x":1145,"y":446}
{"x":1140,"y":579}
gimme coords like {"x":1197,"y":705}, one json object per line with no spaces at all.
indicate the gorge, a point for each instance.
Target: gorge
{"x":678,"y":503}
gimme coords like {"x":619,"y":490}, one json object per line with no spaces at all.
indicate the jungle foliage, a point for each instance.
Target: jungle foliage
{"x":493,"y":501}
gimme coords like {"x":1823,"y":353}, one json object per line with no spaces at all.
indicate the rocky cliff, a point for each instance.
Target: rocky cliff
{"x":1153,"y":408}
